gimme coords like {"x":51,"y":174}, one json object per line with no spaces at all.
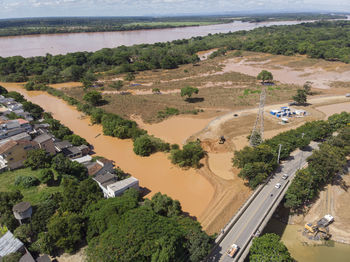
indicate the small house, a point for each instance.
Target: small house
{"x":14,"y":153}
{"x":45,"y":141}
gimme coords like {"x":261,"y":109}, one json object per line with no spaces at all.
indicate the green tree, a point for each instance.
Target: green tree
{"x":189,"y":91}
{"x":144,"y":146}
{"x":139,"y":235}
{"x":269,"y":248}
{"x":12,"y":257}
{"x":93,"y":97}
{"x":66,"y":231}
{"x":37,"y":158}
{"x":265,"y":76}
{"x":46,"y":176}
{"x":300,"y":97}
{"x":190,"y":155}
{"x":164,"y":205}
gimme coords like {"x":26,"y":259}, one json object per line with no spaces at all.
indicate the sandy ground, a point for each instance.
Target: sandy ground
{"x":291,"y":70}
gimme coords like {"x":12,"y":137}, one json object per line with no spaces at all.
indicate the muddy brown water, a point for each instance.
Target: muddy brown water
{"x":156,"y":173}
{"x":304,"y":251}
{"x":39,"y":45}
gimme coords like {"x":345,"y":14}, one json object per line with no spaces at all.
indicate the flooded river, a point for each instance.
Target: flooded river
{"x":156,"y":173}
{"x":39,"y":45}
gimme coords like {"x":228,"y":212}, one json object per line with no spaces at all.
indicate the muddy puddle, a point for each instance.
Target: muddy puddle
{"x":155,"y":173}
{"x":304,"y":251}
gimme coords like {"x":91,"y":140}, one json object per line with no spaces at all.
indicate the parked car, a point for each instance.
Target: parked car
{"x":278,"y":185}
{"x":285,"y":176}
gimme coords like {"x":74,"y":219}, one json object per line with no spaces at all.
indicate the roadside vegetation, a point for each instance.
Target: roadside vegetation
{"x":325,"y":165}
{"x":269,"y":248}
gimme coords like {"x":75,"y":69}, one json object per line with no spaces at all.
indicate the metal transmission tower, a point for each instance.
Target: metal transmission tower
{"x":257,"y":135}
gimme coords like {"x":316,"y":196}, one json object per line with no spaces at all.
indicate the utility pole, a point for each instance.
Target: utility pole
{"x":279,"y":153}
{"x":302,"y":152}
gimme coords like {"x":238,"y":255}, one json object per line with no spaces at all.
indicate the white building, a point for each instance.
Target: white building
{"x":118,"y":188}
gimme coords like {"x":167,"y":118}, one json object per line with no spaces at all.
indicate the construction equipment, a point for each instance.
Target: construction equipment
{"x":257,"y":135}
{"x":319,"y":230}
{"x":222,"y":140}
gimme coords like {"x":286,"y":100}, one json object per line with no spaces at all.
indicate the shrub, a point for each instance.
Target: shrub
{"x":189,"y":156}
{"x":26,"y":181}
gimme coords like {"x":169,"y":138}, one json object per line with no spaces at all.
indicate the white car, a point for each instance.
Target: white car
{"x":278,"y":185}
{"x":285,"y":176}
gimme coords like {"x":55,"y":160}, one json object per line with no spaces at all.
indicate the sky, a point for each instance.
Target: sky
{"x":45,"y":8}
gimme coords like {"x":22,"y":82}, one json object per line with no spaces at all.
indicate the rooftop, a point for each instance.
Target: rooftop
{"x":106,"y":178}
{"x":21,"y":207}
{"x":9,"y":244}
{"x":94,"y":168}
{"x":42,"y":138}
{"x":115,"y":187}
{"x":63,"y":144}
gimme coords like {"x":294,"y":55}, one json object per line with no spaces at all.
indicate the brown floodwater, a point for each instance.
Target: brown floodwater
{"x":156,"y":173}
{"x":40,"y":45}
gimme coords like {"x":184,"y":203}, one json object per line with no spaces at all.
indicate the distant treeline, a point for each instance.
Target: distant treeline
{"x":53,"y":25}
{"x":291,"y":16}
{"x":326,"y":40}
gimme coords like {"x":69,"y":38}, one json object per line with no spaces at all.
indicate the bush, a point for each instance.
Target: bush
{"x":46,"y":176}
{"x":143,"y":146}
{"x":26,"y":181}
{"x":189,"y":156}
{"x":37,"y":158}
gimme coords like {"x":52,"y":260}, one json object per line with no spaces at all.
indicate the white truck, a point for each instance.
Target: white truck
{"x":232,"y":250}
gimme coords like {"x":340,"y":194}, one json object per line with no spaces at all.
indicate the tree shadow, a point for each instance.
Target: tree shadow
{"x":144,"y":191}
{"x":102,"y":102}
{"x":194,"y":99}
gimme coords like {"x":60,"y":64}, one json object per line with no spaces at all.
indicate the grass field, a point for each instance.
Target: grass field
{"x":33,"y":194}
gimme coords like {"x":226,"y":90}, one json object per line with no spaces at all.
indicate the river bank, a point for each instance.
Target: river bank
{"x":40,"y":45}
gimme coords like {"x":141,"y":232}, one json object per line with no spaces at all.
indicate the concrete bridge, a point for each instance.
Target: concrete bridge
{"x":253,"y":216}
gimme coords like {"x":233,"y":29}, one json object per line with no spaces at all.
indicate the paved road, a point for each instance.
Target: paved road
{"x":242,"y":231}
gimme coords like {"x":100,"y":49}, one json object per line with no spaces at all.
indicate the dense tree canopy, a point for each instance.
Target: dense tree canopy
{"x":269,"y":248}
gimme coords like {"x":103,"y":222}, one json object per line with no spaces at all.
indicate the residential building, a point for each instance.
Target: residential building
{"x":118,"y":188}
{"x":72,"y":152}
{"x":45,"y":141}
{"x":103,"y":180}
{"x":14,"y":153}
{"x":24,"y":136}
{"x":60,"y":145}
